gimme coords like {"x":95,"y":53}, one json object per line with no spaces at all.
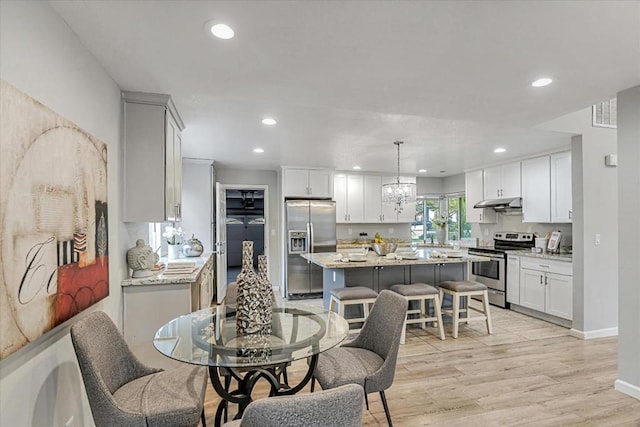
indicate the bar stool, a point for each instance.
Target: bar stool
{"x":423,"y":293}
{"x":353,"y":295}
{"x":465,"y":289}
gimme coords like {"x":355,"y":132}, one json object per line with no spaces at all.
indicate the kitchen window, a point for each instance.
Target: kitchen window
{"x":458,"y":225}
{"x":423,"y":230}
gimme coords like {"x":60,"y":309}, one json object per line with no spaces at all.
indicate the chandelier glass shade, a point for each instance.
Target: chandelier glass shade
{"x":399,"y":193}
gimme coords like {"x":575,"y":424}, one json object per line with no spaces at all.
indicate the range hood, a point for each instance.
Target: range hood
{"x":501,"y":205}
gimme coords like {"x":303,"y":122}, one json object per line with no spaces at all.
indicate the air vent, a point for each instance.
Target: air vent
{"x":605,"y":114}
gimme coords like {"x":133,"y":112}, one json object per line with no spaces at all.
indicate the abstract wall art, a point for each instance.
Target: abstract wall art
{"x":54,"y":252}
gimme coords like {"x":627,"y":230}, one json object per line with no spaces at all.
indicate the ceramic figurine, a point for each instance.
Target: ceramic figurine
{"x":141,"y":259}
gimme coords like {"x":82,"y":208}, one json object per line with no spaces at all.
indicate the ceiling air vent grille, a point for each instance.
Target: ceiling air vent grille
{"x":605,"y":114}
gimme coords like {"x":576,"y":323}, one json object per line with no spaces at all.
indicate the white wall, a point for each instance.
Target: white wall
{"x":629,"y":244}
{"x":40,"y":385}
{"x":429,"y":186}
{"x":197,"y":201}
{"x":453,"y":184}
{"x":595,"y":207}
{"x":268,"y":178}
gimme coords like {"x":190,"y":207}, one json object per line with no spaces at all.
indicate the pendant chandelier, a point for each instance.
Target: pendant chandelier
{"x":398,"y":192}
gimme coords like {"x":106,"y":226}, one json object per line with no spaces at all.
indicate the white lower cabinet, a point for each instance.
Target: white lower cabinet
{"x":547,"y":286}
{"x":513,"y":279}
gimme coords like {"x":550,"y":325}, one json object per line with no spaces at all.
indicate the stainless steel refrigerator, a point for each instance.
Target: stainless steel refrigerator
{"x":310,"y":228}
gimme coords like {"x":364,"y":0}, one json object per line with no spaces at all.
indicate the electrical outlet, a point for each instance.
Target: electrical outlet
{"x":597,"y":239}
{"x":69,"y":422}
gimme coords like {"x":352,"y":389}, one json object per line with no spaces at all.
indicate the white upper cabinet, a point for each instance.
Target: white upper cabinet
{"x":561,"y":205}
{"x":307,"y":183}
{"x":348,"y":191}
{"x":546,"y":189}
{"x":536,"y":190}
{"x":359,"y":199}
{"x":502,"y":181}
{"x":372,"y":198}
{"x":474,"y":189}
{"x":152,"y":158}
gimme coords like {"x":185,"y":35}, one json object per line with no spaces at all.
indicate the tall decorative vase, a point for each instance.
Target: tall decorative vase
{"x":441,"y":234}
{"x":173,"y":251}
{"x":266,"y":292}
{"x":249,"y":299}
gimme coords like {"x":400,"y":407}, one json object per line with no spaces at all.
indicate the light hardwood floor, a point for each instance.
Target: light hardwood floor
{"x":528,"y":373}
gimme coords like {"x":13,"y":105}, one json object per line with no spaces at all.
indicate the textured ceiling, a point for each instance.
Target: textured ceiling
{"x":346,"y":79}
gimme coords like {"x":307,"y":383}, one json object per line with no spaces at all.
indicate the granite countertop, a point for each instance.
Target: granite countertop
{"x":163,"y":279}
{"x":350,"y":245}
{"x":528,"y":253}
{"x":328,"y":260}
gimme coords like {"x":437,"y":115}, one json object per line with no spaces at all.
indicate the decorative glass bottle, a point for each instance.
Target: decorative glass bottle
{"x":266,"y":292}
{"x":249,"y":299}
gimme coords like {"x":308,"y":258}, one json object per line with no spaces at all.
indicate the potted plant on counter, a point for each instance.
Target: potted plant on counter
{"x":174,"y":238}
{"x":440,"y":222}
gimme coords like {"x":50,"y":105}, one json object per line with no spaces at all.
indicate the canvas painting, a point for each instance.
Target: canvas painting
{"x":54,"y":252}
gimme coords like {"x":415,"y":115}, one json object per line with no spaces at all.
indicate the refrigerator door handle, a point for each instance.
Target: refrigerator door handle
{"x":311,"y":236}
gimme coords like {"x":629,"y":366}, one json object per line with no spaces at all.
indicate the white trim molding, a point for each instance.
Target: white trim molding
{"x":626,"y":388}
{"x":598,"y":333}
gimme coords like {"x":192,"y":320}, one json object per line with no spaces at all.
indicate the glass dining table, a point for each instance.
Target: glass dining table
{"x":209,"y":337}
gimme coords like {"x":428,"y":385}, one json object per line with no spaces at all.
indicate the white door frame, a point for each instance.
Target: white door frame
{"x":264,"y":188}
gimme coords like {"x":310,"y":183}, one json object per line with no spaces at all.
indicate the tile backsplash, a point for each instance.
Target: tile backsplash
{"x":352,"y":231}
{"x":484,"y":232}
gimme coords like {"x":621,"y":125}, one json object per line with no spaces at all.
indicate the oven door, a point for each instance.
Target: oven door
{"x":490,"y":272}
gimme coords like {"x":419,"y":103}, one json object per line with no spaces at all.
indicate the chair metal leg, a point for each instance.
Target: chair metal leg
{"x":386,"y":408}
{"x":204,"y":421}
{"x":313,"y":383}
{"x":366,"y":401}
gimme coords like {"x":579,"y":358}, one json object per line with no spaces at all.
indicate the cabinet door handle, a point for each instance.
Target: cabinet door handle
{"x":381,"y":268}
{"x":570,"y":214}
{"x":541,"y":279}
{"x":546,"y":280}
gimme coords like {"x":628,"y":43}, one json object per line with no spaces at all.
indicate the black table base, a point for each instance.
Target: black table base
{"x":247,"y":378}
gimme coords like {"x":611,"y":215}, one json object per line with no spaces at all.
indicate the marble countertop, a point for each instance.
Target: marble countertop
{"x":163,"y":279}
{"x":528,"y":253}
{"x":329,"y":259}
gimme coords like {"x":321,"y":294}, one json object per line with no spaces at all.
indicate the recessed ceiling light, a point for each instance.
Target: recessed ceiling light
{"x":422,"y":170}
{"x":221,"y":31}
{"x":258,"y":150}
{"x":269,"y":121}
{"x":542,"y":82}
{"x":499,"y":150}
{"x":356,"y":167}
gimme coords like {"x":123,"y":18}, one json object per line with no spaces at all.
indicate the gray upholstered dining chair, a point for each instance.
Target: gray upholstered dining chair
{"x":341,"y":406}
{"x":124,"y":392}
{"x":370,"y":359}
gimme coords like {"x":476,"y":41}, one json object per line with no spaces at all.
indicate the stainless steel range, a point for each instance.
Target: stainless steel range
{"x":493,"y":272}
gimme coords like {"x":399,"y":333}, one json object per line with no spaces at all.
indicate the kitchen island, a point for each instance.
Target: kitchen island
{"x":378,"y":273}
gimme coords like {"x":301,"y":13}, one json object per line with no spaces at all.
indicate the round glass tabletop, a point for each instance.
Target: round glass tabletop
{"x":209,"y":337}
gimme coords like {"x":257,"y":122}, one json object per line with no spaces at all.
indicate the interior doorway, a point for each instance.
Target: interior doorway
{"x":244,"y":215}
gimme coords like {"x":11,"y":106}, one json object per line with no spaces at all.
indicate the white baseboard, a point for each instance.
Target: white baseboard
{"x":626,"y":388}
{"x":598,"y":333}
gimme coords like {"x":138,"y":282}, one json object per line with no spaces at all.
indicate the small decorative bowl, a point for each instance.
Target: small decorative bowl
{"x":383,"y":249}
